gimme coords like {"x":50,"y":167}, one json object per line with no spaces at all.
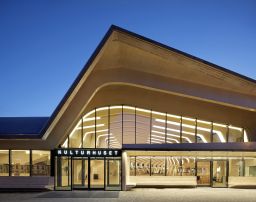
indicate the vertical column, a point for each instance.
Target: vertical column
{"x":166,"y":128}
{"x":135,"y":125}
{"x":227,"y":172}
{"x":211,"y":171}
{"x":150,"y":134}
{"x":150,"y":166}
{"x":196,"y":131}
{"x":243,"y":134}
{"x":165,"y":165}
{"x":52,"y":164}
{"x":82,"y":131}
{"x":30,"y":162}
{"x":227,"y":133}
{"x":211,"y":131}
{"x":108,"y":125}
{"x":181,"y":129}
{"x":124,"y":173}
{"x":122,"y":125}
{"x":59,"y":172}
{"x":95,"y":135}
{"x":10,"y":163}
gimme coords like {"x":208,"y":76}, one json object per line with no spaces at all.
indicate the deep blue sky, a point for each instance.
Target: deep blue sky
{"x":45,"y":43}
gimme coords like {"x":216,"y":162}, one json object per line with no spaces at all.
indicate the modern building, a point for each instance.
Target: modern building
{"x":139,"y":114}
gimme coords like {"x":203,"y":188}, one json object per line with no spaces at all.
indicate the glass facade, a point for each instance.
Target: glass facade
{"x":25,"y":163}
{"x":112,"y":126}
{"x":210,"y":168}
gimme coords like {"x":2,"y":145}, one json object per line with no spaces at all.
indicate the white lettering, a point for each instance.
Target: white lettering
{"x":59,"y":152}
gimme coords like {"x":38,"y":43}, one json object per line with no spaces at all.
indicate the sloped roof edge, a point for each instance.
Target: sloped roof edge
{"x":99,"y":47}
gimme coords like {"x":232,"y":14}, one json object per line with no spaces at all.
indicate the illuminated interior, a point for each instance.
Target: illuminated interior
{"x":112,"y":126}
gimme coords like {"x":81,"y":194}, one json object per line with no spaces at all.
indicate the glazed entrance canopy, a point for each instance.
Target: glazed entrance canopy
{"x":128,"y":69}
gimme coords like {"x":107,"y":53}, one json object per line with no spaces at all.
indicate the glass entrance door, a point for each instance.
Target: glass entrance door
{"x":80,"y":173}
{"x":219,"y":173}
{"x":97,"y":177}
{"x":113,"y":174}
{"x":203,"y":173}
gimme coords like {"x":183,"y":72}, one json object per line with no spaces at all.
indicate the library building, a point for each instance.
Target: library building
{"x":139,"y":114}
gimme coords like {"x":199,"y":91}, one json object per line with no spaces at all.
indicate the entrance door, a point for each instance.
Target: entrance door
{"x":97,"y":177}
{"x":203,"y":173}
{"x":80,"y":173}
{"x":219,"y":173}
{"x":113,"y":174}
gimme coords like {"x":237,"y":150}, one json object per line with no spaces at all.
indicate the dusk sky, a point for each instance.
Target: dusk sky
{"x":45,"y":43}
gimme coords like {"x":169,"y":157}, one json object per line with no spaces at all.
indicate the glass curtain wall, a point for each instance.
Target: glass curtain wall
{"x":112,"y":126}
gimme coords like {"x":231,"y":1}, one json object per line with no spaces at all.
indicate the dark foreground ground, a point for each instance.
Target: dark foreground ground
{"x":148,"y":195}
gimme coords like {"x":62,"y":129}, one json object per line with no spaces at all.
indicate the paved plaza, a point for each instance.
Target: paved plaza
{"x":154,"y":195}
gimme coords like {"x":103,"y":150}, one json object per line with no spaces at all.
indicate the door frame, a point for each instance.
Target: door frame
{"x":205,"y":160}
{"x":211,"y":171}
{"x":82,"y":185}
{"x":227,"y":171}
{"x":73,"y":186}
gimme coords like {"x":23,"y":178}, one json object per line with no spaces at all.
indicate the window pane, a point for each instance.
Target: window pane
{"x":142,"y":126}
{"x":235,"y":134}
{"x":188,"y":166}
{"x":159,"y":129}
{"x":41,"y":163}
{"x":20,"y":163}
{"x":113,"y":170}
{"x":236,"y":167}
{"x":250,"y":167}
{"x":158,"y":166}
{"x":115,"y":127}
{"x":4,"y":162}
{"x":219,"y":132}
{"x":188,"y":130}
{"x":129,"y":125}
{"x":75,"y":136}
{"x":132,"y":166}
{"x":173,"y":128}
{"x":204,"y":131}
{"x":102,"y":127}
{"x":173,"y":166}
{"x":142,"y":165}
{"x":89,"y":130}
